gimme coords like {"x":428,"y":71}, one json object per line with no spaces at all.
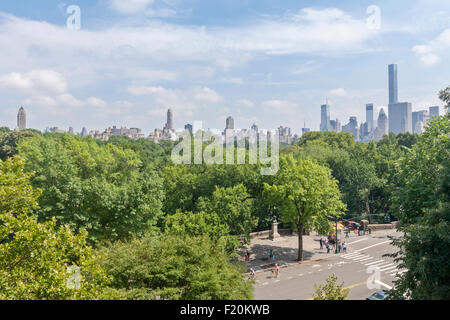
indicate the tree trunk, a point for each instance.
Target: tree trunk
{"x":300,"y":242}
{"x":367,"y":203}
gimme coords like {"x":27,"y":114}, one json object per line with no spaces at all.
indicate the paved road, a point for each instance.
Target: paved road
{"x":297,"y":282}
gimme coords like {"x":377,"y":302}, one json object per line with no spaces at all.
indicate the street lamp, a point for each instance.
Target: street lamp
{"x":336,"y":240}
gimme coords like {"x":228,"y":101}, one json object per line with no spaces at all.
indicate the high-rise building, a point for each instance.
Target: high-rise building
{"x":21,"y":119}
{"x":419,"y":120}
{"x":305,"y":130}
{"x":382,"y":127}
{"x":434,"y":112}
{"x":338,"y":125}
{"x":399,"y":113}
{"x":369,"y":117}
{"x":352,"y":128}
{"x":333,"y":125}
{"x":169,"y":119}
{"x":400,"y":117}
{"x":229,"y":123}
{"x":188,"y":127}
{"x":71,"y":131}
{"x":254,"y":128}
{"x":84,"y":132}
{"x":325,"y":118}
{"x":393,"y":84}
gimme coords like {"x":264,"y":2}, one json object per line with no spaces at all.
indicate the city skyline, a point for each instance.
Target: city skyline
{"x":270,"y":80}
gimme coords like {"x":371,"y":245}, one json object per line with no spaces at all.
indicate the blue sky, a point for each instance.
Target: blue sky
{"x":262,"y":61}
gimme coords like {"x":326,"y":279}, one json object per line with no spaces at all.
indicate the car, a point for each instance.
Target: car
{"x":380,"y":295}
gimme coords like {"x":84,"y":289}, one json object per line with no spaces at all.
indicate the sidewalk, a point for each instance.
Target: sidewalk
{"x":285,"y":251}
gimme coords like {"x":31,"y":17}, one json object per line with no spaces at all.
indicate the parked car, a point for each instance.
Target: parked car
{"x":380,"y":295}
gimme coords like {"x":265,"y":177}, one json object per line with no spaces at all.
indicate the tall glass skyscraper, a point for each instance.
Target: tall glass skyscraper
{"x":393,"y":84}
{"x":369,"y":117}
{"x":325,"y":118}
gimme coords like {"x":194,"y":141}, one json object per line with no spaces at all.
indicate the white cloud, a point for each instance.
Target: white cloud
{"x":130,"y":6}
{"x":235,"y":80}
{"x":207,"y":95}
{"x":339,"y":92}
{"x":429,"y":54}
{"x":280,"y":106}
{"x":34,"y":81}
{"x":245,"y":103}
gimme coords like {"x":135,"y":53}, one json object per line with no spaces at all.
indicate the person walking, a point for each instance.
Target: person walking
{"x":276,"y":270}
{"x":247,"y":256}
{"x":271,"y":256}
{"x":252,"y":274}
{"x":339,"y":247}
{"x":344,"y":247}
{"x":328,"y":246}
{"x":321,"y":243}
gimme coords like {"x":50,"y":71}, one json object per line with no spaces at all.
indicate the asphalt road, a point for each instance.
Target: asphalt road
{"x":364,"y":258}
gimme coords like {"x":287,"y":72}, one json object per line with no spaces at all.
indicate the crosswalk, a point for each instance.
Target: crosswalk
{"x":369,"y":261}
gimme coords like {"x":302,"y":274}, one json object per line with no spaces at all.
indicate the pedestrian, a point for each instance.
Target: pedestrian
{"x":321,"y":244}
{"x":252,"y":273}
{"x":276,"y":270}
{"x":328,"y":247}
{"x":271,"y":256}
{"x":247,"y":256}
{"x":344,"y":247}
{"x":339,"y":246}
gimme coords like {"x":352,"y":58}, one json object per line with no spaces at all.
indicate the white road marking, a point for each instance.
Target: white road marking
{"x":383,"y":284}
{"x":277,"y":281}
{"x":383,"y":265}
{"x":361,"y":258}
{"x":366,"y":259}
{"x":265,"y":283}
{"x":374,"y":245}
{"x":388,"y":268}
{"x":316,"y":266}
{"x":320,"y":270}
{"x":351,"y":255}
{"x":300,"y":275}
{"x":373,"y":262}
{"x":357,"y":241}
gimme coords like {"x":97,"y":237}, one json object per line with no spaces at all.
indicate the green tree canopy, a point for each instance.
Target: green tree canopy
{"x":100,"y":188}
{"x":175,"y":267}
{"x":422,"y":204}
{"x":306,"y":195}
{"x":34,"y":257}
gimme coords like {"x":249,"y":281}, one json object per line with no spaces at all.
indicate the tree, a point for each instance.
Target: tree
{"x":100,"y":188}
{"x":4,"y":130}
{"x":233,"y":206}
{"x":11,"y":139}
{"x":331,"y":290}
{"x":306,"y":195}
{"x":422,"y":205}
{"x":34,"y":257}
{"x":202,"y":224}
{"x":175,"y":267}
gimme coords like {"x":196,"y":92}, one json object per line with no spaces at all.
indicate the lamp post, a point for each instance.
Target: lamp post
{"x":336,"y":240}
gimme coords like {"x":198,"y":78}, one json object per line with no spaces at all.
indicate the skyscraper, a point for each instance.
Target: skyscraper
{"x":369,"y":117}
{"x":325,"y":118}
{"x":434,"y":112}
{"x":400,"y":117}
{"x":352,"y":128}
{"x":393,"y":84}
{"x":230,"y":123}
{"x":419,"y":120}
{"x":399,"y":113}
{"x":84,"y":132}
{"x":170,"y":119}
{"x":21,"y":119}
{"x":188,"y":127}
{"x":383,"y":126}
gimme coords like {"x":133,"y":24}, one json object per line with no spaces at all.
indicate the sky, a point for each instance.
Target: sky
{"x":269,"y":62}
